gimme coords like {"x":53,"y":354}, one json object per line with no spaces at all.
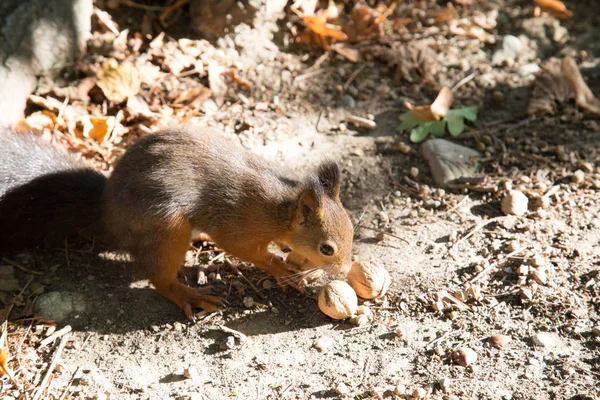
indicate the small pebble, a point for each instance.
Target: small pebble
{"x":228,"y":343}
{"x":342,"y":389}
{"x":323,"y":343}
{"x":400,"y":332}
{"x":499,"y":341}
{"x":464,"y":356}
{"x":515,"y":203}
{"x":348,"y":101}
{"x":419,"y":393}
{"x":545,"y":339}
{"x":248,"y":302}
{"x":578,"y":177}
{"x":191,"y":372}
{"x":414,"y":172}
{"x":403,"y":148}
{"x":596,"y":331}
{"x":445,"y":384}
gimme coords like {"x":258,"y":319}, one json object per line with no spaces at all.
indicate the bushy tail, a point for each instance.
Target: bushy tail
{"x":50,"y":206}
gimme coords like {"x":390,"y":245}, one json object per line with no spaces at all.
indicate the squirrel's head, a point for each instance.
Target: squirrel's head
{"x":321,"y":230}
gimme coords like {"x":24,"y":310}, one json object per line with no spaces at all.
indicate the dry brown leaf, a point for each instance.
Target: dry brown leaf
{"x":445,"y":15}
{"x":4,"y":353}
{"x":555,"y":8}
{"x":551,"y":88}
{"x":319,"y":26}
{"x":36,"y":122}
{"x":118,"y":81}
{"x":437,"y":110}
{"x":414,"y":62}
{"x":583,"y":94}
{"x":79,"y":91}
{"x":352,"y":55}
{"x":558,"y":82}
{"x":367,"y":23}
{"x":97,"y":128}
{"x":193,"y":96}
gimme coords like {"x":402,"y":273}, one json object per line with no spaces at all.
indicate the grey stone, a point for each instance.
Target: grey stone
{"x":348,"y":101}
{"x":36,"y":36}
{"x":59,"y":305}
{"x":450,"y":163}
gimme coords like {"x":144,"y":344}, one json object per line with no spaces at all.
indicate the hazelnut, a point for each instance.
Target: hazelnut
{"x":369,"y":280}
{"x":337,"y":300}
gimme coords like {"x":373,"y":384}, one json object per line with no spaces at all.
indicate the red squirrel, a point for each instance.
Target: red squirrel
{"x":168,"y":188}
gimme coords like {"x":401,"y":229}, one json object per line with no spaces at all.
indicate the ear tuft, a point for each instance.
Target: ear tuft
{"x":328,"y":174}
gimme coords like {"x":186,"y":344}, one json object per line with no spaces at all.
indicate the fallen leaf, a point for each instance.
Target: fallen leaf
{"x":4,"y":354}
{"x":352,"y":55}
{"x":238,"y":80}
{"x":445,"y":15}
{"x":437,"y":110}
{"x":97,"y":128}
{"x":106,"y":20}
{"x":414,"y":62}
{"x":193,"y":96}
{"x":118,"y":81}
{"x":36,"y":122}
{"x":555,"y":8}
{"x":319,"y":26}
{"x":558,"y":82}
{"x":78,"y":91}
{"x":583,"y":94}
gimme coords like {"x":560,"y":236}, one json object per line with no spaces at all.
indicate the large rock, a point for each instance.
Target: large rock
{"x":37,"y":36}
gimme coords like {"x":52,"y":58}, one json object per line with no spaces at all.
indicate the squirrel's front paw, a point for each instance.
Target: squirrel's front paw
{"x":186,"y":297}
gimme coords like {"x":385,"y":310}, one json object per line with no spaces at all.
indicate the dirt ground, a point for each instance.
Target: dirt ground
{"x":129,"y":343}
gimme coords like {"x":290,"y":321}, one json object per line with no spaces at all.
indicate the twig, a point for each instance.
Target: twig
{"x":66,"y":391}
{"x":22,"y":268}
{"x":476,"y":229}
{"x":242,"y":338}
{"x":239,"y":273}
{"x":55,"y":335}
{"x":354,"y":75}
{"x":463,"y":81}
{"x":46,"y":379}
{"x":495,"y":264}
{"x":383,"y":232}
{"x":132,"y":4}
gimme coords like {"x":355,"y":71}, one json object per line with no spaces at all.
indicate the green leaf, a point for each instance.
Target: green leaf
{"x":437,"y":128}
{"x":469,"y":113}
{"x":409,"y":121}
{"x":456,"y":124}
{"x":419,"y":134}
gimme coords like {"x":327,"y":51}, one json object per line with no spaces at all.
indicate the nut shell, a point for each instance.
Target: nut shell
{"x":369,"y":280}
{"x":338,"y":300}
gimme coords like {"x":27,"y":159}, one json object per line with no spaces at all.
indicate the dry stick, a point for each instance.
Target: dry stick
{"x":383,"y":232}
{"x":354,"y":75}
{"x":243,"y":338}
{"x":476,"y":229}
{"x":55,"y":335}
{"x":22,"y":268}
{"x":132,"y":4}
{"x":463,"y":81}
{"x":239,"y":273}
{"x":495,"y":264}
{"x":66,"y":391}
{"x":46,"y":379}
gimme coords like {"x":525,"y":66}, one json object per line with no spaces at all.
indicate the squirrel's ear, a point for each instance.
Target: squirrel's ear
{"x":310,"y":202}
{"x":328,"y":174}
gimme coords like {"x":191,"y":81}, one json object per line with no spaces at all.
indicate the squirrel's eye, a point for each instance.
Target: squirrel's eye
{"x":327,"y":250}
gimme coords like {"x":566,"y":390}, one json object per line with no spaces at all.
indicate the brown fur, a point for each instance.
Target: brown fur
{"x":188,"y":179}
{"x":182,"y":183}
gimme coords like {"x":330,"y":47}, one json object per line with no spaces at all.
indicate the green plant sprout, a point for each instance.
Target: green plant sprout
{"x":421,"y":129}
